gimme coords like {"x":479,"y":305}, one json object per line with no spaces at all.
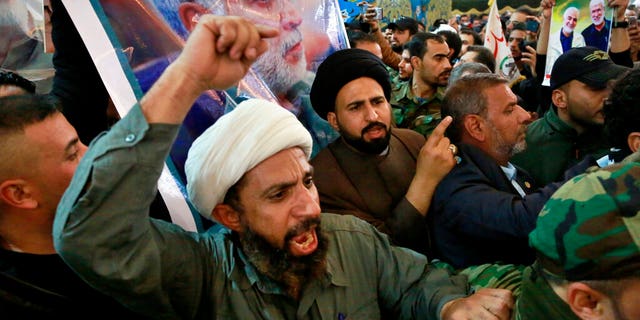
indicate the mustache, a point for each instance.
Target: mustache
{"x":301,"y":227}
{"x":291,"y":40}
{"x":374,"y":125}
{"x":445,"y":73}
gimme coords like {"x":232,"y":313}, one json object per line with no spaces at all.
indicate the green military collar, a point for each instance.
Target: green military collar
{"x":555,"y":123}
{"x":538,"y":300}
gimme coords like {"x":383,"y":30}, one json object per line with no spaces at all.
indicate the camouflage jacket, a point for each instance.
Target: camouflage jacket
{"x":415,"y":113}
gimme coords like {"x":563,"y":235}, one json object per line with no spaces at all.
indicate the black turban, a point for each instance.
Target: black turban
{"x":340,"y":68}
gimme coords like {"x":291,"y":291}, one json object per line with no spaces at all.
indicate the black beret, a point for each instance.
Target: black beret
{"x":340,"y":68}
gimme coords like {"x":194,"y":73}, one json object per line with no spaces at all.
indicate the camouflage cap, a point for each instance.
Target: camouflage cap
{"x":590,"y":228}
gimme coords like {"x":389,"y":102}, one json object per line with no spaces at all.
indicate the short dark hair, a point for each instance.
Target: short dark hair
{"x":484,"y":56}
{"x":14,"y":79}
{"x":518,"y":26}
{"x":232,"y":197}
{"x":622,"y":111}
{"x":453,"y":40}
{"x":438,"y":22}
{"x":20,"y":111}
{"x":417,"y":46}
{"x":526,"y":10}
{"x":466,"y":96}
{"x":357,"y":36}
{"x":477,"y":39}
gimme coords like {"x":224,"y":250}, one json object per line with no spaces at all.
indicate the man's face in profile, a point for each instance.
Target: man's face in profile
{"x":284,"y":64}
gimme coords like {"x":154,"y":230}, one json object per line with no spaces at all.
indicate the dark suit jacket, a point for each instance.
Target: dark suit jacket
{"x":373,"y":187}
{"x":477,"y":216}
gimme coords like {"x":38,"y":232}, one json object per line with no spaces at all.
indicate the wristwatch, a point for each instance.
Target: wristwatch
{"x":620,"y":24}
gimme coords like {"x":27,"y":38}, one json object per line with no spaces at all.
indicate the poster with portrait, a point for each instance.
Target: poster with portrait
{"x":132,"y":42}
{"x":577,"y":23}
{"x":391,"y":9}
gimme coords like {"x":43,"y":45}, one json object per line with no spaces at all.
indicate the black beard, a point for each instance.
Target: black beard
{"x":373,"y":147}
{"x":396,"y":48}
{"x":279,"y":264}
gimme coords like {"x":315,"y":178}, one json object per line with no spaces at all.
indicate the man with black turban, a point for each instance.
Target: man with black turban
{"x":382,"y":175}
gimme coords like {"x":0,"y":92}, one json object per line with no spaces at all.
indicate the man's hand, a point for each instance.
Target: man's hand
{"x":546,"y":6}
{"x":484,"y":304}
{"x":435,"y":160}
{"x":620,"y":7}
{"x":529,"y":58}
{"x":634,"y":37}
{"x":220,"y":51}
{"x":370,"y":16}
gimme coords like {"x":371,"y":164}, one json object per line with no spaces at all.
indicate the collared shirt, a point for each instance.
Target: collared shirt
{"x":538,"y":300}
{"x":103,"y":232}
{"x":510,"y":171}
{"x":598,"y":38}
{"x":566,"y":41}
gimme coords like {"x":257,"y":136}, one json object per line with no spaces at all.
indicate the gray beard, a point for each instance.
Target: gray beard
{"x":279,"y":75}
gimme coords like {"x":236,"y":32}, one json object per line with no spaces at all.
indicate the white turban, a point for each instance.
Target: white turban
{"x":238,"y":141}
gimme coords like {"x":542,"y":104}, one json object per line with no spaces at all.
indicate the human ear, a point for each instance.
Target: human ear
{"x":559,"y":99}
{"x":586,"y":302}
{"x":474,"y":127}
{"x":189,"y":13}
{"x":333,"y":120}
{"x":227,"y":216}
{"x":18,"y":193}
{"x":633,"y":140}
{"x":415,"y":62}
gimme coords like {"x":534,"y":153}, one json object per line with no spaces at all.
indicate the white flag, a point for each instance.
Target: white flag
{"x":497,"y":43}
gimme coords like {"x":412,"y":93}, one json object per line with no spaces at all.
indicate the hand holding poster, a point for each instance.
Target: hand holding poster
{"x":577,"y":23}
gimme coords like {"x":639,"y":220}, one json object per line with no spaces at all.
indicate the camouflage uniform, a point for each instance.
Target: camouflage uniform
{"x":588,"y":230}
{"x":499,"y":276}
{"x":415,"y":113}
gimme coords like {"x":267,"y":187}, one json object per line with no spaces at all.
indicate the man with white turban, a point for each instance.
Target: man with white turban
{"x":277,"y":257}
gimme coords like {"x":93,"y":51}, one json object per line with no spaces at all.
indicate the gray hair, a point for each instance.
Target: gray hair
{"x":465,"y":69}
{"x":466,"y":96}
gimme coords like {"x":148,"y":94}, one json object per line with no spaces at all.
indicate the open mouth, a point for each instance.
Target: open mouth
{"x":304,"y":243}
{"x":376,"y":131}
{"x":293,"y":48}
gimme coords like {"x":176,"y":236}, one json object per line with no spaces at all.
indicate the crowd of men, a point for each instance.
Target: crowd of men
{"x":446,"y":192}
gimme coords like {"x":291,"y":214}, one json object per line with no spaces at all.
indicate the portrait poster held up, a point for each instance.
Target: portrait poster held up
{"x":496,"y":41}
{"x":577,"y":23}
{"x":132,"y":42}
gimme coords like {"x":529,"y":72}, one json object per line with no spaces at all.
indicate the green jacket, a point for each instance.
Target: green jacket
{"x":415,"y":113}
{"x":103,"y":232}
{"x":538,"y":300}
{"x":553,"y":147}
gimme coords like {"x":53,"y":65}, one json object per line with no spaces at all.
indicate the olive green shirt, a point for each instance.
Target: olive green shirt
{"x":103,"y":232}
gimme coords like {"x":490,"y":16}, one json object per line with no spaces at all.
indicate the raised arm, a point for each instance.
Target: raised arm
{"x":545,"y":26}
{"x":217,"y":55}
{"x":102,"y":229}
{"x":619,"y":36}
